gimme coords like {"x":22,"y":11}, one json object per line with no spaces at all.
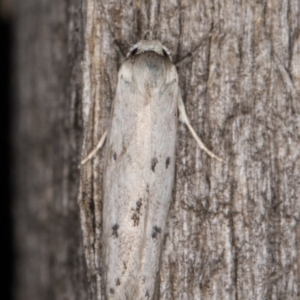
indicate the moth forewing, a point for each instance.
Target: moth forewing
{"x":139,"y":174}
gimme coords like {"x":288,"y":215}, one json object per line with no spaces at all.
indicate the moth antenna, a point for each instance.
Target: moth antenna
{"x":184,"y":119}
{"x":190,"y":53}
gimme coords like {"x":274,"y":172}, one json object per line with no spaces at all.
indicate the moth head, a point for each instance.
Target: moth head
{"x":149,"y":45}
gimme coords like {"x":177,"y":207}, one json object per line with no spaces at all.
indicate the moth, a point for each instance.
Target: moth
{"x":140,"y":169}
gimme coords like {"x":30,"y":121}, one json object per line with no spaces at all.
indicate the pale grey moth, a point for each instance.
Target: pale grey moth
{"x":139,"y":174}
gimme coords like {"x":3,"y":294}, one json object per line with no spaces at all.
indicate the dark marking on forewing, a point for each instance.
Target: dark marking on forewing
{"x":147,"y":294}
{"x":155,"y":231}
{"x":154,"y":162}
{"x":168,"y":160}
{"x":139,"y":204}
{"x":136,"y":219}
{"x":137,"y":212}
{"x":124,"y":265}
{"x":112,"y":291}
{"x":118,"y":282}
{"x":115,"y":231}
{"x":115,"y":156}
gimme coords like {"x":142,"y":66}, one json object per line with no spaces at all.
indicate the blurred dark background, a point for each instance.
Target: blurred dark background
{"x":6,"y":26}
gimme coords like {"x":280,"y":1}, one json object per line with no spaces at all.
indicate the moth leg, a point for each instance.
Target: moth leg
{"x":184,"y":119}
{"x":99,"y":145}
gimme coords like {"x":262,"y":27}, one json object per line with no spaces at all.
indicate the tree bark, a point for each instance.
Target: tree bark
{"x":233,"y":228}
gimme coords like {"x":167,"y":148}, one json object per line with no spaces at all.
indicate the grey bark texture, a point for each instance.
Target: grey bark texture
{"x":233,"y":228}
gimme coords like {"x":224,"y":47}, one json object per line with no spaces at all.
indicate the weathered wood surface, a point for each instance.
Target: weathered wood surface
{"x":233,"y":229}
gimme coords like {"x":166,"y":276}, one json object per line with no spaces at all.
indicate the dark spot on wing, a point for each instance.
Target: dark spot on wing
{"x":155,"y":231}
{"x":112,"y":291}
{"x":147,"y":294}
{"x":137,"y":212}
{"x":118,"y":282}
{"x":136,"y":219}
{"x":115,"y":231}
{"x":154,"y":162}
{"x":165,"y":53}
{"x":115,"y":156}
{"x":168,"y":160}
{"x":139,"y":204}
